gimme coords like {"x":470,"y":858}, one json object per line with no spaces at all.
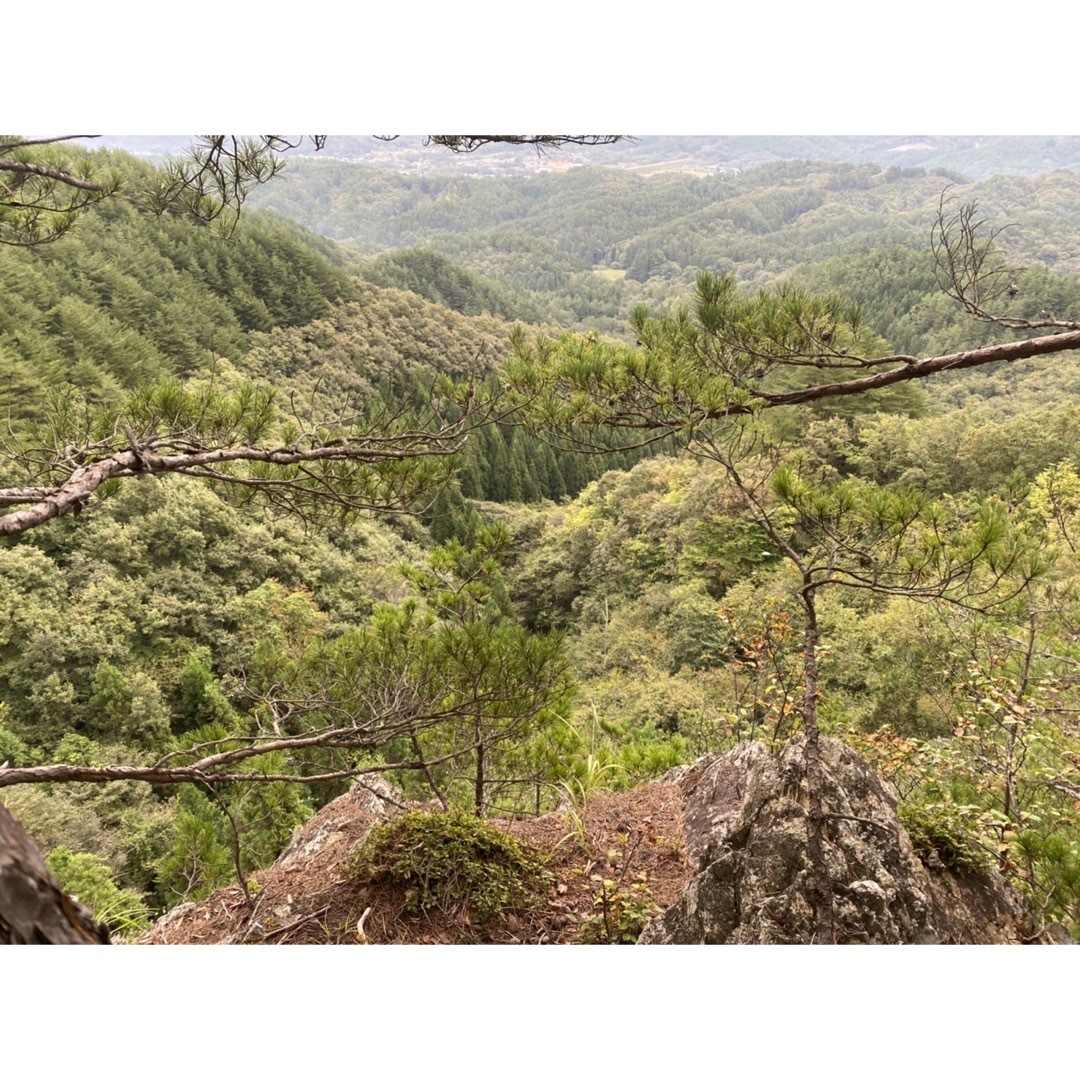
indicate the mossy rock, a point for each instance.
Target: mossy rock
{"x":450,"y":861}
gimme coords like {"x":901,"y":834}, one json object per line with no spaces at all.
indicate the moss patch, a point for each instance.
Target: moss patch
{"x":451,"y":861}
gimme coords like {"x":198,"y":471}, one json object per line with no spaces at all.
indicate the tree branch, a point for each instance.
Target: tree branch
{"x":375,"y":450}
{"x":912,"y":368}
{"x":466,"y":144}
{"x":29,"y":167}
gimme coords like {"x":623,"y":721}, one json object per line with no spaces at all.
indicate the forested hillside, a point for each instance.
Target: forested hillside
{"x":493,"y":529}
{"x":129,"y":298}
{"x":975,"y":156}
{"x":586,"y":245}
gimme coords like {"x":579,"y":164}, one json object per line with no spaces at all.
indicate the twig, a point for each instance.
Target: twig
{"x":296,"y":922}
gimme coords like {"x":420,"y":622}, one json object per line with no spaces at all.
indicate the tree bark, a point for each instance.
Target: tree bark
{"x":911,"y":367}
{"x":820,"y":883}
{"x":478,"y":789}
{"x":75,"y":492}
{"x":34,"y":910}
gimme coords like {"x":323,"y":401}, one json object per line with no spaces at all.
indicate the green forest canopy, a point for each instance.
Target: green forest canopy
{"x":154,"y":619}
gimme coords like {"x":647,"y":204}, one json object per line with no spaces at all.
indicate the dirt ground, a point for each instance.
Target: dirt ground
{"x":629,"y":838}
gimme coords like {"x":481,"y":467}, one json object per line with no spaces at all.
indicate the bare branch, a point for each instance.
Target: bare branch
{"x":18,"y":144}
{"x":107,"y":774}
{"x":1065,"y":788}
{"x":466,"y":144}
{"x":210,"y":183}
{"x":972,"y":270}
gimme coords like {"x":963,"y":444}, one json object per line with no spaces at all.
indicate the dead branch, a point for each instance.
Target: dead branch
{"x":972,"y":269}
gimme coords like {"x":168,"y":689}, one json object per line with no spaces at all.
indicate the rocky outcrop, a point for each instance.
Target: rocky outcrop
{"x":745,"y":829}
{"x":299,"y":889}
{"x":371,"y":798}
{"x":738,"y":820}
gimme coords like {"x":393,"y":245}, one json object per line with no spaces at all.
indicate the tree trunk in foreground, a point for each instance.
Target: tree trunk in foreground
{"x":820,"y":889}
{"x":34,"y":910}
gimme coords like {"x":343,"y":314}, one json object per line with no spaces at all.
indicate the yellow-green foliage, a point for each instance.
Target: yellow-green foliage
{"x":940,"y":828}
{"x":89,"y":878}
{"x":620,"y":911}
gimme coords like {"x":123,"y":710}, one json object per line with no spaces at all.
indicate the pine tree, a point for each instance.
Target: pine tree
{"x":709,"y":377}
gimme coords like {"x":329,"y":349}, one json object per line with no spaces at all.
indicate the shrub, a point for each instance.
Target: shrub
{"x":620,"y":912}
{"x":88,"y":878}
{"x":940,"y":828}
{"x":449,"y":861}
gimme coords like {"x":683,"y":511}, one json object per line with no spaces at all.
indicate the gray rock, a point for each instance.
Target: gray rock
{"x":745,"y":827}
{"x":372,"y":795}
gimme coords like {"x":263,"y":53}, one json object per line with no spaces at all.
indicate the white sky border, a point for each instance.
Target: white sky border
{"x":831,"y":67}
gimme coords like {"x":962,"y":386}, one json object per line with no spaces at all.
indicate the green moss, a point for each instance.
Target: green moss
{"x":450,"y":861}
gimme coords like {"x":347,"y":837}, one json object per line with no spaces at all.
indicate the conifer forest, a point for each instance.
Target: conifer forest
{"x":513,"y":474}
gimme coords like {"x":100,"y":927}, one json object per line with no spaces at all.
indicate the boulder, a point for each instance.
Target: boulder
{"x":745,"y":825}
{"x":372,"y":797}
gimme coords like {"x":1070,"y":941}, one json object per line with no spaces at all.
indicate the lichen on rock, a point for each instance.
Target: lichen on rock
{"x":745,"y":825}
